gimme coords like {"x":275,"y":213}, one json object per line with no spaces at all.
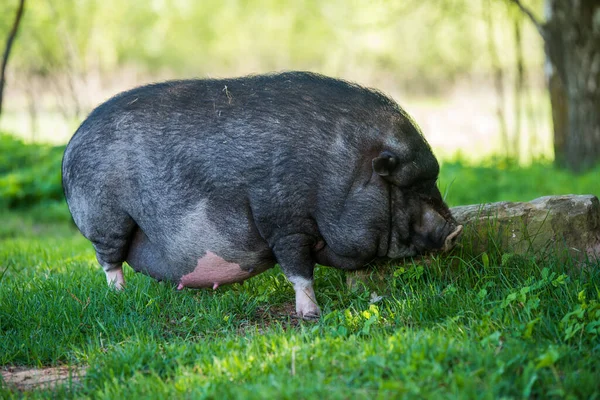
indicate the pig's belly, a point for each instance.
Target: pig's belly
{"x":205,"y":269}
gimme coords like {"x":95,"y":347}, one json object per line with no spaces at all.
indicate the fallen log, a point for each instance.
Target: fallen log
{"x":565,"y":226}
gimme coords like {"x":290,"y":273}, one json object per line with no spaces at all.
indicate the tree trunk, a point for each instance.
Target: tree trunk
{"x":9,"y":42}
{"x":573,"y":46}
{"x":560,"y":117}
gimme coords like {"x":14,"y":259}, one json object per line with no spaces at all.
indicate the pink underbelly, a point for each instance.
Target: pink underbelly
{"x":213,"y":271}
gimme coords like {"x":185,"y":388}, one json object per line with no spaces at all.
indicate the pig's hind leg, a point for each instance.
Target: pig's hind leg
{"x":111,"y":237}
{"x":111,"y":251}
{"x":145,"y":257}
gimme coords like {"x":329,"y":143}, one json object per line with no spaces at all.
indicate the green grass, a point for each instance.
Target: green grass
{"x":498,"y":179}
{"x":457,"y":327}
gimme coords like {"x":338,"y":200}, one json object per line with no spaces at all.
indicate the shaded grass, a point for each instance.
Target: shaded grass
{"x":455,"y":326}
{"x":499,"y":179}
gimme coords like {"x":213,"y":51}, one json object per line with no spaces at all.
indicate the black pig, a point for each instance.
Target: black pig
{"x":210,"y":182}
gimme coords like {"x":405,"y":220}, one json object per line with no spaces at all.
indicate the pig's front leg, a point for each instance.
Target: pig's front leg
{"x":325,"y":256}
{"x":293,"y":254}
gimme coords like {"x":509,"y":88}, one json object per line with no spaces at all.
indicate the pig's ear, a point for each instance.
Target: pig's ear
{"x":385,"y":163}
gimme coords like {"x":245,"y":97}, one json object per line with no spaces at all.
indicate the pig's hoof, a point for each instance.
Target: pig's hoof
{"x":310,"y":316}
{"x":310,"y":312}
{"x":116,"y":286}
{"x":306,"y":305}
{"x":114,"y":277}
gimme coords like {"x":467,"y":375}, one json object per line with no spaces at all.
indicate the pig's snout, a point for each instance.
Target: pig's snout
{"x":434,"y":232}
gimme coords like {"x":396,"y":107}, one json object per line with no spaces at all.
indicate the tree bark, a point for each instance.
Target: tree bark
{"x":574,"y":49}
{"x":572,"y":42}
{"x":9,"y":42}
{"x":560,"y":116}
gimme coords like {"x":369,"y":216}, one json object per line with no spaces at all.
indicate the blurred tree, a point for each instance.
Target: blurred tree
{"x":498,"y":80}
{"x":11,"y":37}
{"x":571,"y":34}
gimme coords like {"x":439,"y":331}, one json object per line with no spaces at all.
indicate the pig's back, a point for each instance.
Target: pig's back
{"x":219,"y":134}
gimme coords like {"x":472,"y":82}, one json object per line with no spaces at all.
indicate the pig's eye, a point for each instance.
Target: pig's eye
{"x":385,"y":163}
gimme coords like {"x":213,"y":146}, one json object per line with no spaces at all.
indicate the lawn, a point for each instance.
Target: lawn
{"x":460,"y":326}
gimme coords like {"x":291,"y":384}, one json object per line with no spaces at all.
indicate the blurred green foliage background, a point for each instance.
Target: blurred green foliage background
{"x":419,"y":44}
{"x":438,"y":59}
